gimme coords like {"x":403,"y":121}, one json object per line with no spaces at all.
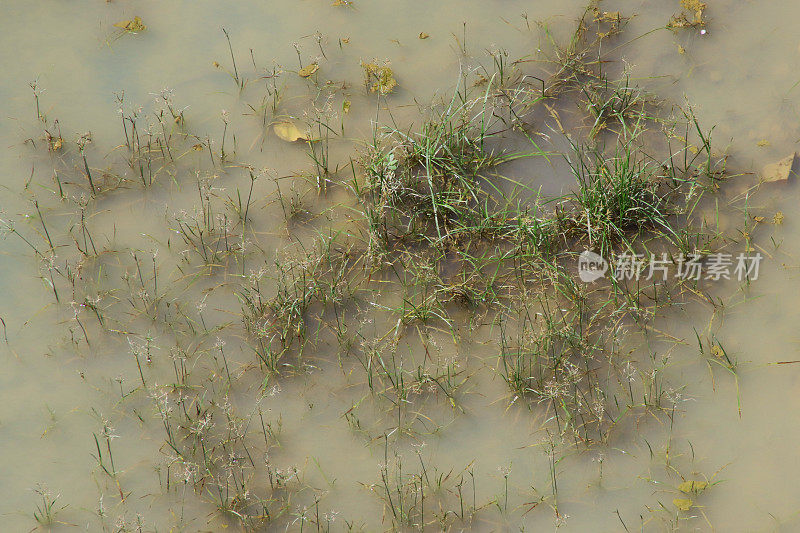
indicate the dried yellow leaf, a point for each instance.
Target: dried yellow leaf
{"x":681,"y":20}
{"x":423,"y":35}
{"x":684,"y":504}
{"x":308,"y":70}
{"x":132,"y":26}
{"x":778,"y":218}
{"x":782,"y":170}
{"x":289,"y":132}
{"x":695,"y":6}
{"x":692,"y":486}
{"x":607,"y":16}
{"x":381,"y":76}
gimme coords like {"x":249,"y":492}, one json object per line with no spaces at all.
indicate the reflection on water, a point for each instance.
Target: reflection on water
{"x":67,"y":409}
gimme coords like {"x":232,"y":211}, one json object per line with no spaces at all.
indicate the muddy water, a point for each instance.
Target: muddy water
{"x":740,"y":76}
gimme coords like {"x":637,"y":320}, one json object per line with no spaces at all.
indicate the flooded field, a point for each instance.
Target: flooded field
{"x":322,"y":266}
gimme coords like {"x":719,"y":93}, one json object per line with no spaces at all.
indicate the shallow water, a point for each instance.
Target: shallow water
{"x":739,"y":76}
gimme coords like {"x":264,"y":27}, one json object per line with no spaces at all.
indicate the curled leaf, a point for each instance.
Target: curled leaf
{"x":289,"y":132}
{"x":308,"y":70}
{"x":131,"y":26}
{"x":684,"y":504}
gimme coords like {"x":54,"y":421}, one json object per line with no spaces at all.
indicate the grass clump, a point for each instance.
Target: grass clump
{"x":618,"y":198}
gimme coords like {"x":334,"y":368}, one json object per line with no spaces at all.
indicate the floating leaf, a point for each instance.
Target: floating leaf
{"x":132,"y":26}
{"x":782,"y":170}
{"x":308,"y":70}
{"x":289,"y":132}
{"x":684,"y":504}
{"x":423,"y":35}
{"x":381,"y":76}
{"x":691,"y":485}
{"x":778,"y":218}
